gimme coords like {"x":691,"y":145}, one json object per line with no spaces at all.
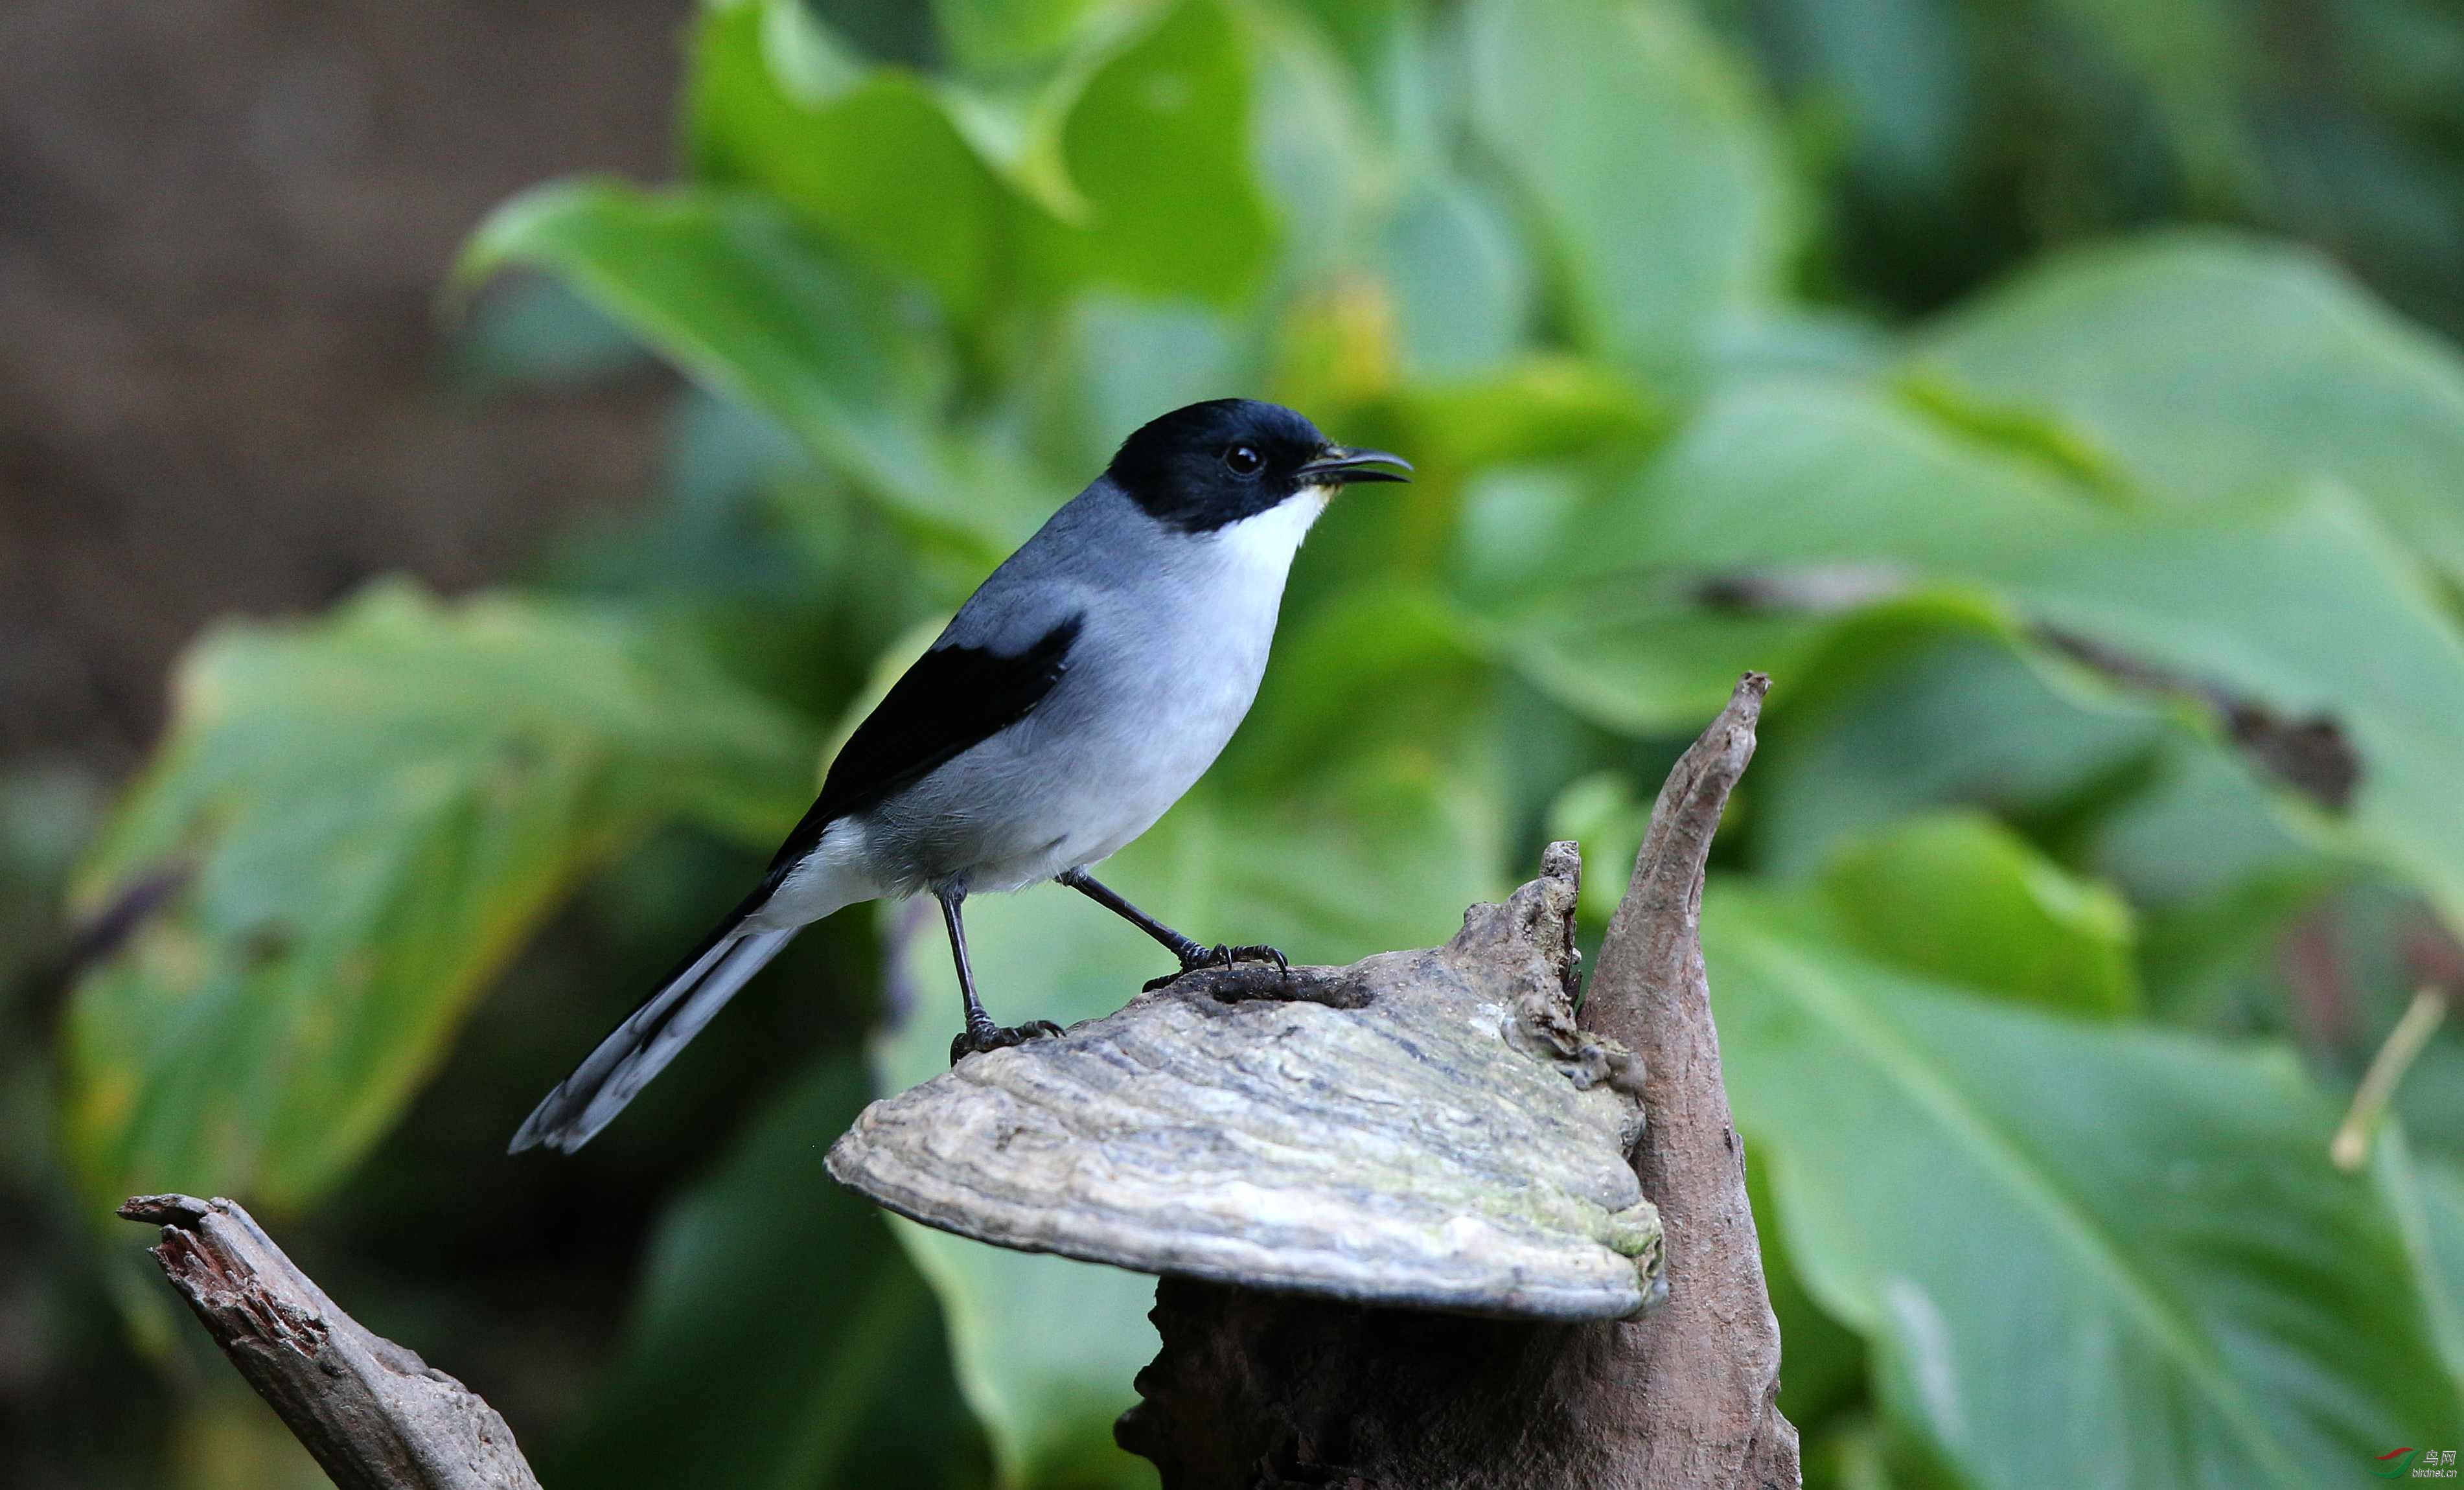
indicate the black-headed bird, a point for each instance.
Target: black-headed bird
{"x":1076,"y":695}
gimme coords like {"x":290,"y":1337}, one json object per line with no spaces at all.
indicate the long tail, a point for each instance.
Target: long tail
{"x":649,"y":1038}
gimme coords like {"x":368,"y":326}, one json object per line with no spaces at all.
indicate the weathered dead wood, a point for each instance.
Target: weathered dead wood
{"x":1690,"y":1393}
{"x":375,"y":1415}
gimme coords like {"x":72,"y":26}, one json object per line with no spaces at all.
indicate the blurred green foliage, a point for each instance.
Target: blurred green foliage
{"x":2105,"y":809}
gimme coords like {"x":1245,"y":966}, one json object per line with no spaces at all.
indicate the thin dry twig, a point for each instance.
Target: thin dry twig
{"x":2351,"y":1144}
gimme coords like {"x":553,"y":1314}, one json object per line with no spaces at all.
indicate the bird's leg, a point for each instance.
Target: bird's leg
{"x":1192,"y":956}
{"x":981,"y":1034}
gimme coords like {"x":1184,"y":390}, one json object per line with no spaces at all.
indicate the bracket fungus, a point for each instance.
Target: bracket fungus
{"x":1426,"y":1130}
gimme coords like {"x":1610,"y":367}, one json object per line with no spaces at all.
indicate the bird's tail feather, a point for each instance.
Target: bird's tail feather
{"x":649,"y":1038}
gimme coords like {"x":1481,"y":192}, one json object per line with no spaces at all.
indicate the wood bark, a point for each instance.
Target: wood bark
{"x":1691,"y":1393}
{"x":1258,"y":1391}
{"x":375,"y":1415}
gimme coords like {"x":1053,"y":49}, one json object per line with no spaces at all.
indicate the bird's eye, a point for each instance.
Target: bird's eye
{"x":1243,"y":460}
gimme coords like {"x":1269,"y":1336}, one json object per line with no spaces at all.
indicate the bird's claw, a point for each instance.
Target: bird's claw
{"x":1220,"y":955}
{"x":1255,"y":952}
{"x":997,"y":1037}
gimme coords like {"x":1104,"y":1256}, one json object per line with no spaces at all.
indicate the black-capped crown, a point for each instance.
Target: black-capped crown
{"x":1210,"y":464}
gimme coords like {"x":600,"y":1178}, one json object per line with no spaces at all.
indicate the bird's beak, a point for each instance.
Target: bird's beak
{"x":1340,"y":465}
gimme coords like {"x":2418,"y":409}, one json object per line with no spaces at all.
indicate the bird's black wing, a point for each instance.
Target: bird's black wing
{"x":951,"y":700}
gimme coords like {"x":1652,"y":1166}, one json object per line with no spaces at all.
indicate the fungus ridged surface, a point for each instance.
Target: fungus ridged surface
{"x":1420,"y":1128}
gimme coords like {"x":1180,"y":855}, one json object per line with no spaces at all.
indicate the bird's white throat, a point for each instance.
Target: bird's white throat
{"x":1264,"y":542}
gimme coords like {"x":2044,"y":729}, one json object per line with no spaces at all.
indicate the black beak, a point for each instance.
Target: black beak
{"x":1340,"y":465}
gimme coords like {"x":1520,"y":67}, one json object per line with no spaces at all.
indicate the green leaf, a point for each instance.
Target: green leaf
{"x":1317,"y":153}
{"x":780,"y":1338}
{"x":1797,"y":471}
{"x":2302,"y":605}
{"x":1958,"y":719}
{"x":869,"y":157}
{"x":1650,"y":163}
{"x":1958,"y":897}
{"x":1044,"y":1350}
{"x":1646,"y":655}
{"x":2178,"y":823}
{"x":1158,"y":144}
{"x":1526,"y":408}
{"x":735,"y":292}
{"x":2309,"y":607}
{"x":1006,"y":35}
{"x":1648,"y":666}
{"x":2085,"y":1254}
{"x":1823,"y":1360}
{"x":1605,"y":814}
{"x":2210,"y":366}
{"x":1377,"y":854}
{"x":374,"y":811}
{"x":1463,"y":291}
{"x":2428,"y":1193}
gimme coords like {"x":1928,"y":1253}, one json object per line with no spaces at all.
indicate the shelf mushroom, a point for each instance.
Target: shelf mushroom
{"x":1423,"y":1130}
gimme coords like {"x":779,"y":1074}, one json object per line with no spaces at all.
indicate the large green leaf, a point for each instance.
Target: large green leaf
{"x":2300,"y":603}
{"x":1463,"y":291}
{"x":1655,"y":653}
{"x":739,"y":293}
{"x":2085,"y":1254}
{"x":2182,"y":825}
{"x":871,"y":156}
{"x":373,"y":812}
{"x":779,"y":1339}
{"x":1823,"y":1360}
{"x":1649,"y":160}
{"x":1958,"y":897}
{"x":2210,"y":366}
{"x":1800,"y":470}
{"x":1385,"y":854}
{"x":1464,"y":284}
{"x":1158,"y":144}
{"x":1315,"y":146}
{"x":1087,"y":153}
{"x":1002,"y":36}
{"x":2428,"y":1194}
{"x":2309,"y":607}
{"x":1955,"y":720}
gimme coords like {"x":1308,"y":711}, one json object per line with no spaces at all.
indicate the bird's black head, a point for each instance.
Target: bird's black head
{"x":1199,"y":468}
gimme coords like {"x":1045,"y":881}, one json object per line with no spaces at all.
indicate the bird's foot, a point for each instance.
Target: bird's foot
{"x":975,"y":1041}
{"x":1220,"y":955}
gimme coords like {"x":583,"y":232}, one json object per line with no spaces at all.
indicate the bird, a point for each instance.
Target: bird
{"x":1084,"y":688}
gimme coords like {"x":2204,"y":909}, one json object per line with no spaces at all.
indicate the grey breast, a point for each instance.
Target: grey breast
{"x":1164,"y":667}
